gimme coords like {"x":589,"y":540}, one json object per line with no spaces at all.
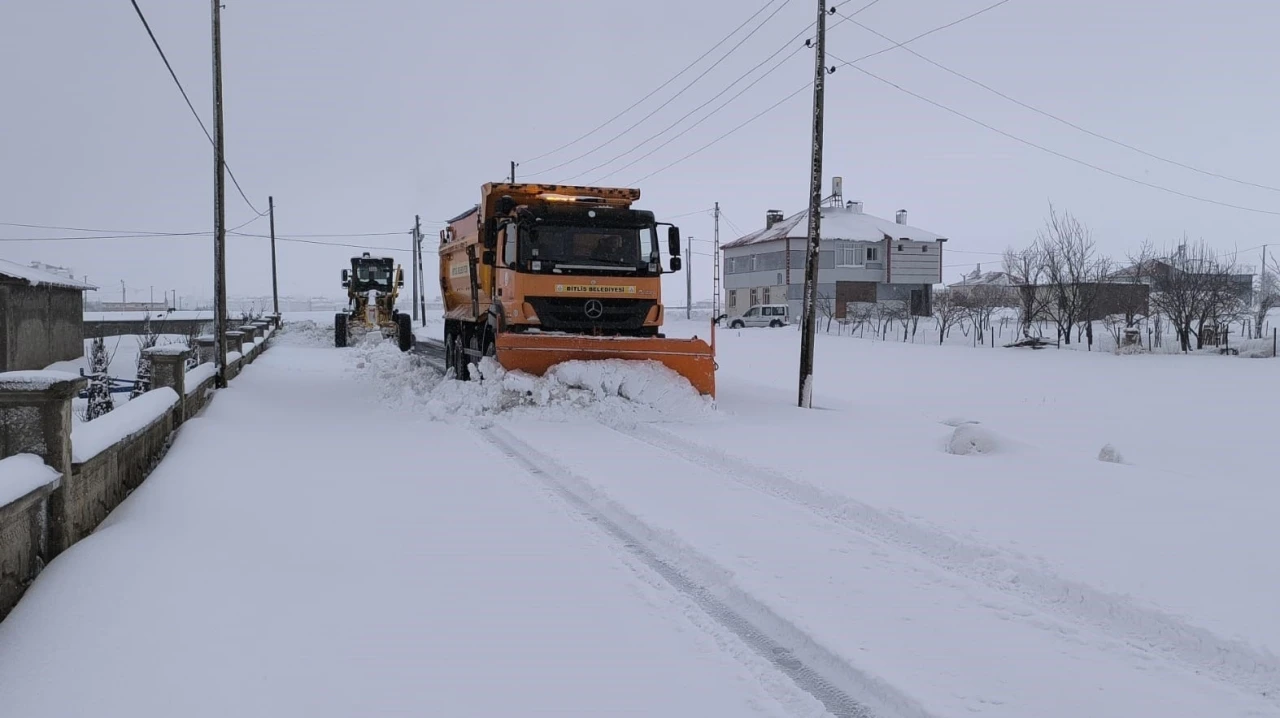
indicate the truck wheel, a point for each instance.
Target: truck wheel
{"x":404,"y":331}
{"x":775,"y":323}
{"x":736,"y":324}
{"x":460,"y":370}
{"x":340,"y":330}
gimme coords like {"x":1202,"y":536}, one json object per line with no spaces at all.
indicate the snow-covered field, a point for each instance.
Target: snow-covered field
{"x":950,"y":531}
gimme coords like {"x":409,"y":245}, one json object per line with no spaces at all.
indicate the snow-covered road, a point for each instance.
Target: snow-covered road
{"x":343,"y":534}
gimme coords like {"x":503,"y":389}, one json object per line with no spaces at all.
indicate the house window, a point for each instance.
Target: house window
{"x":767,"y":294}
{"x":849,"y":257}
{"x":925,"y":249}
{"x":753,"y":262}
{"x":754,"y":297}
{"x":873,"y":254}
{"x":902,"y":247}
{"x":733,"y":298}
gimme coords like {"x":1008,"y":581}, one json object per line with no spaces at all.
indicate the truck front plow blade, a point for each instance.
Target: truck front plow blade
{"x":536,"y":353}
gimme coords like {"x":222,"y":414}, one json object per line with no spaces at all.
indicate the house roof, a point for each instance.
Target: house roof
{"x":39,"y":277}
{"x":993,"y":279}
{"x":846,"y":223}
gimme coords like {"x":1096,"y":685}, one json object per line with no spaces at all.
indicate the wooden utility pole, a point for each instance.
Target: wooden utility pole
{"x":715,"y":294}
{"x":219,"y":207}
{"x":417,"y":247}
{"x":513,"y":171}
{"x":815,"y":216}
{"x":275,"y":288}
{"x":688,"y":279}
{"x":422,"y":278}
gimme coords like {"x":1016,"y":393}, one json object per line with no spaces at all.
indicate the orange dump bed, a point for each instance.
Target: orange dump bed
{"x":535,"y":353}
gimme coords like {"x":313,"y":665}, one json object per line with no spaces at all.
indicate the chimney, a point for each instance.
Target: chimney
{"x":772,"y":217}
{"x":902,"y":216}
{"x":854,"y":206}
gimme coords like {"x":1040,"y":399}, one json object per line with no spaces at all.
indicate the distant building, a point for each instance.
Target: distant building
{"x":999,"y":282}
{"x":41,"y":317}
{"x":863,"y":258}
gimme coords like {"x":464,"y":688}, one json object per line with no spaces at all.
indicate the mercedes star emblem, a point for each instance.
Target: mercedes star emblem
{"x":594,"y":309}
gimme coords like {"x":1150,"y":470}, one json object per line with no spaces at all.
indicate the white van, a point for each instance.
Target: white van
{"x":764,"y":315}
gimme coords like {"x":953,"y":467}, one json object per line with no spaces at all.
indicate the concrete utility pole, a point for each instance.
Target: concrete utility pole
{"x":275,"y":289}
{"x":815,"y":216}
{"x":123,"y":297}
{"x":715,"y":294}
{"x":688,"y":279}
{"x":422,"y":281}
{"x":513,"y":171}
{"x":417,"y":247}
{"x":219,"y":207}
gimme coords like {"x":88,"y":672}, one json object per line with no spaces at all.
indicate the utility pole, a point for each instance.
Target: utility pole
{"x":219,"y":206}
{"x":815,"y":216}
{"x":275,"y":289}
{"x":417,"y":247}
{"x":422,"y":282}
{"x":715,"y":294}
{"x":513,"y":171}
{"x":123,"y":298}
{"x":688,"y":279}
{"x":153,"y":295}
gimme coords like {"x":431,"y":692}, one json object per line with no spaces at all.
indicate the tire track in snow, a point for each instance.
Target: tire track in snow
{"x":1142,"y":629}
{"x":844,"y":690}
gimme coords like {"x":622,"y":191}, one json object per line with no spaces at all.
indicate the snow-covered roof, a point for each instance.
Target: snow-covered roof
{"x":40,"y":277}
{"x":847,"y":223}
{"x":992,"y":279}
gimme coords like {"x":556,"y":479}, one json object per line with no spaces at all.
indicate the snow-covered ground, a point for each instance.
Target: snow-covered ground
{"x":950,"y":531}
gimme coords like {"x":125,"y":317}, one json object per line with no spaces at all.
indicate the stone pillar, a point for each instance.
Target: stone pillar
{"x":235,"y":342}
{"x":169,"y":368}
{"x":207,"y":349}
{"x":250,"y":332}
{"x":274,"y":319}
{"x":35,"y":418}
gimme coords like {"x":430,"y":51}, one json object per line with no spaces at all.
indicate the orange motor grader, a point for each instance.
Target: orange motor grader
{"x":536,"y":275}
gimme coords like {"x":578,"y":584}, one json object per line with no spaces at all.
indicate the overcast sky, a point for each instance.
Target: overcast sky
{"x":358,"y":115}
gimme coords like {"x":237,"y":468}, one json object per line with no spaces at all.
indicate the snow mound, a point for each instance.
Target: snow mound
{"x":612,"y":390}
{"x":307,"y":333}
{"x":970,"y":439}
{"x":958,"y":421}
{"x":22,"y":474}
{"x":1110,"y":455}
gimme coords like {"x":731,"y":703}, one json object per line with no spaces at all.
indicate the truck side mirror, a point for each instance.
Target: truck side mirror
{"x":489,"y":257}
{"x":346,"y":278}
{"x":673,"y":242}
{"x":675,"y":263}
{"x":490,"y":234}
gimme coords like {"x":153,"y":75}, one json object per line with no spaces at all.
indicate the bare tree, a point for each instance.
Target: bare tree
{"x":947,"y":311}
{"x":1072,"y":272}
{"x":1025,"y":268}
{"x":827,"y":308}
{"x":979,"y":303}
{"x":1268,"y":295}
{"x":859,"y":314}
{"x":1196,"y":289}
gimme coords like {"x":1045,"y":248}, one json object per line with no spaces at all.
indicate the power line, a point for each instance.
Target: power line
{"x":717,"y":109}
{"x":1056,"y":153}
{"x":845,"y":18}
{"x":192,"y":107}
{"x":1066,"y":122}
{"x":672,"y":79}
{"x":689,"y":214}
{"x":669,"y":100}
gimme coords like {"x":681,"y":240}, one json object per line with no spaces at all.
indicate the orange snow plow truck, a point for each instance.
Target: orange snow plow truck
{"x":537,"y":274}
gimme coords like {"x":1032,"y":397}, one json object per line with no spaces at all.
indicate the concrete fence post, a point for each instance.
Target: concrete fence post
{"x":206,"y":348}
{"x":169,"y":368}
{"x":235,"y":342}
{"x":35,"y":418}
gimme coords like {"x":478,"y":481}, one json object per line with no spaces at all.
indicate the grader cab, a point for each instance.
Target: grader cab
{"x":373,"y":285}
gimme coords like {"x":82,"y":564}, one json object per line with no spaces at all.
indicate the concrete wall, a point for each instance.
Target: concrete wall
{"x":126,"y":327}
{"x":39,"y":326}
{"x":98,"y":485}
{"x":24,"y":537}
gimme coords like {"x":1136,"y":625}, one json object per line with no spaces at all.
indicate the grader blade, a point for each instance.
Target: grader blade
{"x":536,"y":353}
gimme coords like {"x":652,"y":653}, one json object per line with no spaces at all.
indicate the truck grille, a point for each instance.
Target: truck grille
{"x":579,"y":314}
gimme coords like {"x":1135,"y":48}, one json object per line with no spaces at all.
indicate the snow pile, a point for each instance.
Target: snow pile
{"x":307,"y":333}
{"x":612,"y":390}
{"x":94,"y":437}
{"x":970,"y":439}
{"x":22,"y":474}
{"x":1110,"y":455}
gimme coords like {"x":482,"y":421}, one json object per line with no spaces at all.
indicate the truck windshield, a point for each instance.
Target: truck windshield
{"x":368,"y":275}
{"x":591,"y":246}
